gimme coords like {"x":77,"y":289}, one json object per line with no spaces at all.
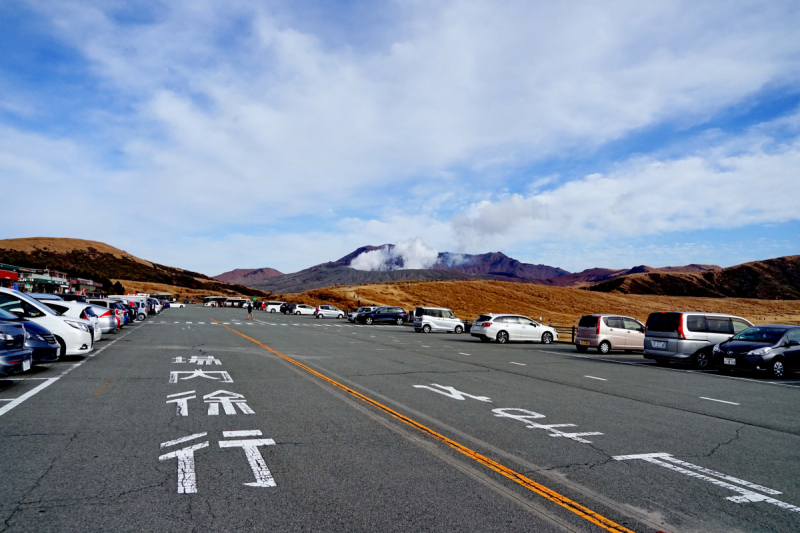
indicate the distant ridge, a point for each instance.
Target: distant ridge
{"x":770,"y":279}
{"x":245,"y":276}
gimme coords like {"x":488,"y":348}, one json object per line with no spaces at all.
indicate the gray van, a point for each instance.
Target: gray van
{"x":682,"y":336}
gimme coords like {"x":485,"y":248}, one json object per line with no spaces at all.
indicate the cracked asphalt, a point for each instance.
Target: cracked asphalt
{"x":384,"y":429}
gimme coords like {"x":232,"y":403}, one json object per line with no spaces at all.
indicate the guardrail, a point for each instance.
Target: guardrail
{"x":565,"y":332}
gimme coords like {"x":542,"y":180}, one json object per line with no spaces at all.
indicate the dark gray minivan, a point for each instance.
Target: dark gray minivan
{"x":681,"y":336}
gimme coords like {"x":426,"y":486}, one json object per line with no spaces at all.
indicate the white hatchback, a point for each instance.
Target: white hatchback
{"x":427,"y":319}
{"x":361,"y":310}
{"x":504,"y":328}
{"x":77,"y":310}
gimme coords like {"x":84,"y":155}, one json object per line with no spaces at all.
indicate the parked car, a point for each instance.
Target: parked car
{"x":682,"y":336}
{"x":107,"y":319}
{"x":504,"y":328}
{"x":74,"y":335}
{"x":328,"y":311}
{"x":44,"y":296}
{"x":772,"y":349}
{"x":609,"y":332}
{"x":286,"y":306}
{"x":383,"y":315}
{"x":14,"y":356}
{"x":73,"y":297}
{"x":302,"y":309}
{"x":77,"y":310}
{"x":177,"y":304}
{"x":360,"y":311}
{"x":115,"y":307}
{"x":43,"y":345}
{"x":273,"y":307}
{"x":427,"y":319}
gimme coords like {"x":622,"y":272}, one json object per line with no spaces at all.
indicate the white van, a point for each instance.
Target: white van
{"x":427,"y":319}
{"x":273,"y":307}
{"x":74,"y":335}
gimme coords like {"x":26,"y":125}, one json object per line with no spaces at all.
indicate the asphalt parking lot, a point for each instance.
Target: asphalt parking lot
{"x":198,"y":420}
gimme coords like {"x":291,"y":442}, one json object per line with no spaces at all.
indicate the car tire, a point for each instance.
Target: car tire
{"x":426,"y":328}
{"x":701,"y":360}
{"x":297,"y":313}
{"x":604,"y":347}
{"x":547,"y":337}
{"x":340,"y":315}
{"x":319,"y":315}
{"x":271,"y":310}
{"x":777,"y":368}
{"x":502,"y":337}
{"x":399,"y":321}
{"x":63,"y":345}
{"x":368,"y":321}
{"x":484,"y":338}
{"x":581,"y":348}
{"x":459,"y":330}
{"x":141,"y":317}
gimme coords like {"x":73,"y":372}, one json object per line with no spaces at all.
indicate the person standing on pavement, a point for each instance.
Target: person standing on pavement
{"x":249,"y":310}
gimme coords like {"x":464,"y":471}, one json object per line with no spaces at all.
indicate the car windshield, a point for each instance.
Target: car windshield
{"x":381,"y":310}
{"x":765,"y":334}
{"x":39,"y":307}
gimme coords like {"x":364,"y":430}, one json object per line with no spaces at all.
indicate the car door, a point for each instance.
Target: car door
{"x":719,"y":328}
{"x":529,"y":330}
{"x":792,"y":352}
{"x":450,"y":320}
{"x":634,"y":334}
{"x":616,"y":332}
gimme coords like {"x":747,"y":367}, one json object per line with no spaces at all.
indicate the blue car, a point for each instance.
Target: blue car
{"x":14,"y":356}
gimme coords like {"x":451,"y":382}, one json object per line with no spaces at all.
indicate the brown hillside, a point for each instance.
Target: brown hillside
{"x":770,"y":279}
{"x":557,"y":305}
{"x":64,"y":246}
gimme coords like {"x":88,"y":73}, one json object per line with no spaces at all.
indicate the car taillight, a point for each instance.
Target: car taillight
{"x":83,"y":315}
{"x":486,"y":324}
{"x":598,"y":325}
{"x":107,"y":313}
{"x":681,"y":334}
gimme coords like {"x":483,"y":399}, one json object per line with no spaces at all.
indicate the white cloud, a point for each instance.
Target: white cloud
{"x":405,"y":254}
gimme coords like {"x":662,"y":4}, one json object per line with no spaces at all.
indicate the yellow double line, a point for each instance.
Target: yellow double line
{"x":513,"y":475}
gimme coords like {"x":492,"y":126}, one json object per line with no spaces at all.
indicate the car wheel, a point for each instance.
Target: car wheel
{"x":502,"y":337}
{"x":700,"y":360}
{"x":547,"y":337}
{"x":297,"y":313}
{"x":399,"y":321}
{"x":319,"y":315}
{"x":459,"y":330}
{"x":581,"y":348}
{"x":484,"y":338}
{"x":368,"y":321}
{"x":604,"y":347}
{"x":426,"y":328}
{"x":777,"y":369}
{"x":141,"y":317}
{"x":63,"y":345}
{"x":340,"y":316}
{"x":271,"y":310}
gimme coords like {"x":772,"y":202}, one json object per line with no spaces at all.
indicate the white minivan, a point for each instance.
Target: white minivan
{"x":427,"y":319}
{"x":75,"y":335}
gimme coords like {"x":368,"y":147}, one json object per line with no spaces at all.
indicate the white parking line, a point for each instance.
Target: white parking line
{"x":520,"y":364}
{"x":720,"y":401}
{"x":593,"y":377}
{"x":462,"y":353}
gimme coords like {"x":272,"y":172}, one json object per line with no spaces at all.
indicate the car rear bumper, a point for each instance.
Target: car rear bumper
{"x":12,"y":361}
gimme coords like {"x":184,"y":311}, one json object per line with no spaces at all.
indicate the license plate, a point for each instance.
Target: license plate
{"x":26,"y":365}
{"x":729,"y":361}
{"x":659,"y":345}
{"x":585,"y":343}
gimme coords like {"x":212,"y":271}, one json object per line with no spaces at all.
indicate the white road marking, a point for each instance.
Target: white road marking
{"x":257,"y":464}
{"x":550,"y":428}
{"x":593,"y":377}
{"x":224,"y":376}
{"x":242,"y":433}
{"x":520,"y":364}
{"x":745,"y":496}
{"x":720,"y":401}
{"x":453,"y":393}
{"x":462,"y":353}
{"x":183,"y":439}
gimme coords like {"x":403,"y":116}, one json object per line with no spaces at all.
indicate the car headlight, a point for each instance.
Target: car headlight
{"x":78,"y":325}
{"x":761,"y":351}
{"x":6,"y":337}
{"x":716,"y":348}
{"x":33,"y":336}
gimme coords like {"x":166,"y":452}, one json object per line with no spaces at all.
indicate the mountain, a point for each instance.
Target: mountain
{"x":496,"y":264}
{"x":244,"y":276}
{"x":770,"y":279}
{"x":103,"y":263}
{"x":593,"y":276}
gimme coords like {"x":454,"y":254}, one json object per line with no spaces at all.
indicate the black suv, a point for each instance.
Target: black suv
{"x":287,"y":308}
{"x":383,"y":315}
{"x":774,"y":349}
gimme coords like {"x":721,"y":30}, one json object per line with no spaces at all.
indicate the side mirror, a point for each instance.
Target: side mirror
{"x":793,"y":343}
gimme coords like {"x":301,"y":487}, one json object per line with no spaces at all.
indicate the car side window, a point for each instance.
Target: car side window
{"x":615,"y":322}
{"x":526,"y":321}
{"x":718,"y":325}
{"x":696,"y":323}
{"x":60,"y":308}
{"x":794,"y":335}
{"x":512,"y":320}
{"x":449,"y":314}
{"x":631,"y":324}
{"x":739,"y":325}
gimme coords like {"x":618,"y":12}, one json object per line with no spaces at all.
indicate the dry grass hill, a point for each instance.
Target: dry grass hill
{"x":557,"y":305}
{"x":107,"y":265}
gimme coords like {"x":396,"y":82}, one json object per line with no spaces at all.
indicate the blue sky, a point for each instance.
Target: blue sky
{"x":213,"y":136}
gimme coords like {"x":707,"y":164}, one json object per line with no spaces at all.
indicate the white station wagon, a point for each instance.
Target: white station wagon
{"x":504,"y":328}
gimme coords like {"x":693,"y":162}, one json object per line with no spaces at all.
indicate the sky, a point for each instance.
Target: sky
{"x":214,"y":135}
